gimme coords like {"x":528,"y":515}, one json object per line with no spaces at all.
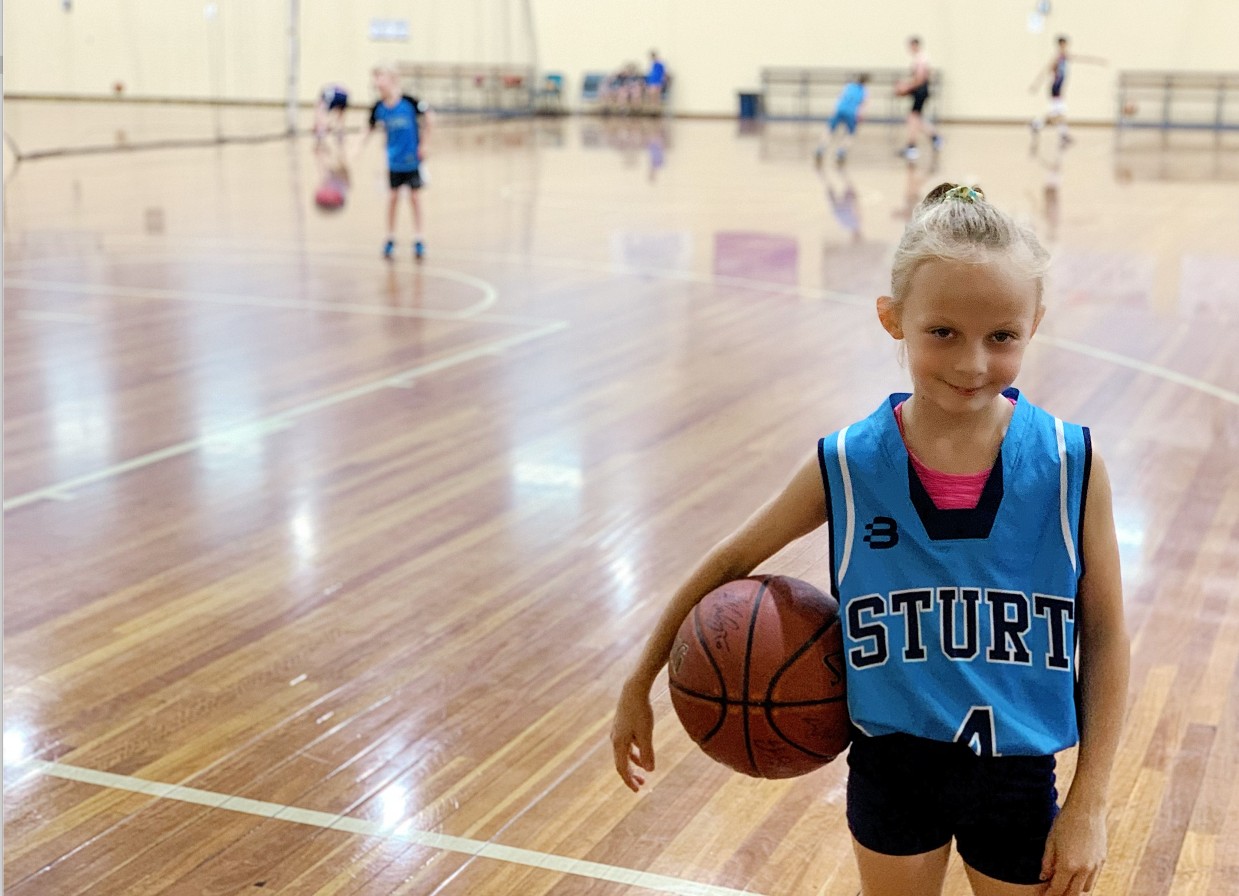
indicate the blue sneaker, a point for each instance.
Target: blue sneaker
{"x":419,"y":250}
{"x":388,"y":248}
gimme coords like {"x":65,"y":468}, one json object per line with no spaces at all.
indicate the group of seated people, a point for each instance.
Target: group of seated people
{"x":630,"y":90}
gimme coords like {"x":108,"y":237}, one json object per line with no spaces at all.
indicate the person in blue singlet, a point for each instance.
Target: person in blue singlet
{"x":1056,"y":71}
{"x":406,"y":121}
{"x":973,"y":553}
{"x":848,"y":109}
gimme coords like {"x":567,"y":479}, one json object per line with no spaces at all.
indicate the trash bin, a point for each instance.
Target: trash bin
{"x":750,"y":105}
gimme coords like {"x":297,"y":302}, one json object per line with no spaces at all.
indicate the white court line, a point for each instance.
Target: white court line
{"x":1156,"y":370}
{"x":257,"y":428}
{"x":472,"y":312}
{"x":843,"y":298}
{"x":335,"y":822}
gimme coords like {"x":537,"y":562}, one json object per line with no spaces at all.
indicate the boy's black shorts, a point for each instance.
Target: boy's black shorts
{"x":398,"y":179}
{"x":908,"y":795}
{"x":919,"y":96}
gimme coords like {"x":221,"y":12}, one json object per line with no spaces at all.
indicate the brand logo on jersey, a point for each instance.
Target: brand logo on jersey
{"x":883,"y":533}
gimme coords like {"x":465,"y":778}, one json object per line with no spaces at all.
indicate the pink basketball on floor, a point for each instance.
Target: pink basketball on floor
{"x":329,"y":197}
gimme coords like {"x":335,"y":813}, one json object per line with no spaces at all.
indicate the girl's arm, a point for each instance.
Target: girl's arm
{"x":1077,"y":844}
{"x":795,"y":511}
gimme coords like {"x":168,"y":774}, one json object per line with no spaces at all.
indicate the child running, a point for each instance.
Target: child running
{"x":407,"y":122}
{"x":916,"y":86}
{"x":973,"y":554}
{"x":1057,"y":112}
{"x":848,"y":110}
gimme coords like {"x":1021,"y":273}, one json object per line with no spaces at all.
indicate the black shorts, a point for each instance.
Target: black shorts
{"x":919,"y":96}
{"x":398,"y":179}
{"x":907,"y":796}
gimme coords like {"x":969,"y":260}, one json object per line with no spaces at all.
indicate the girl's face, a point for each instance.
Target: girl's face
{"x":966,"y":327}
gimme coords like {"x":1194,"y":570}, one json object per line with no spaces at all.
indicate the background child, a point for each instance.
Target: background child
{"x":1057,"y":112}
{"x":655,"y":80}
{"x":329,"y":112}
{"x":997,"y":555}
{"x":916,"y":85}
{"x":406,"y":121}
{"x":847,"y":114}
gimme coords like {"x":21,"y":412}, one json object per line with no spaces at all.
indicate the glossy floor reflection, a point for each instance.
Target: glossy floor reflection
{"x":370,"y":544}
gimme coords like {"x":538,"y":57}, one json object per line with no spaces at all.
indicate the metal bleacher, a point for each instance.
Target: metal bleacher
{"x":808,"y":93}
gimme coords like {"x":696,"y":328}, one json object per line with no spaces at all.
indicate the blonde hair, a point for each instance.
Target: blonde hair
{"x":956,"y":223}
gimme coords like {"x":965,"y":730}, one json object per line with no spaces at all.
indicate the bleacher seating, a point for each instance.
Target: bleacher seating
{"x":549,"y":99}
{"x":1166,"y":100}
{"x":804,"y":92}
{"x":591,"y":88}
{"x":595,"y":97}
{"x":465,"y":87}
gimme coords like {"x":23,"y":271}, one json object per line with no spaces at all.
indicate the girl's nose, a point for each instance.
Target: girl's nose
{"x":970,"y":360}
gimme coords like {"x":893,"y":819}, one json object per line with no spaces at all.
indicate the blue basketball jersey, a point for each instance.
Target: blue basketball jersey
{"x":403,"y":131}
{"x":959,"y":625}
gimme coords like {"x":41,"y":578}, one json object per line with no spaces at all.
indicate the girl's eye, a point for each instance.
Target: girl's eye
{"x":940,"y":332}
{"x":1003,"y":337}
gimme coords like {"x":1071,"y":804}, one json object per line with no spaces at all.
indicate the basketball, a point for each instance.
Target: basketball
{"x":757,"y":677}
{"x":328,"y":197}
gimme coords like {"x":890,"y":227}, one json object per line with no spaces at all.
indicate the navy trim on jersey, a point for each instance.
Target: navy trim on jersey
{"x":963,"y":522}
{"x":830,"y":517}
{"x":1088,"y":469}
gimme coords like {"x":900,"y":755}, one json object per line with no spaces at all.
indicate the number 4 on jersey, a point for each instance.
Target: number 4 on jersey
{"x":977,"y":731}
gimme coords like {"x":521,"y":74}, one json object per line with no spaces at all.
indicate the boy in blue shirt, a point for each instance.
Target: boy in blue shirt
{"x":847,"y":115}
{"x":406,"y":121}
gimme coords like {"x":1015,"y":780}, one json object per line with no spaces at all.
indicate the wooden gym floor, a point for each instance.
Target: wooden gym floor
{"x":321,"y":573}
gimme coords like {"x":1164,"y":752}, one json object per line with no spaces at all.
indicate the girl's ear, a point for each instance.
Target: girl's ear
{"x":888,"y":314}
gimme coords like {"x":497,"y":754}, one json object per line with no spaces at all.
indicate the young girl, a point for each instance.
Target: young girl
{"x":974,"y":558}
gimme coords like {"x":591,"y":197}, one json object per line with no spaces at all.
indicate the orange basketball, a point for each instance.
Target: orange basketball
{"x":757,"y":677}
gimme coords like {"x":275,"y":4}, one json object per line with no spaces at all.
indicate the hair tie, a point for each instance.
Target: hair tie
{"x":964,"y":194}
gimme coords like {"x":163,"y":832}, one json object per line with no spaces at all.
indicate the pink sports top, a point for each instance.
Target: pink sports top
{"x":948,"y":491}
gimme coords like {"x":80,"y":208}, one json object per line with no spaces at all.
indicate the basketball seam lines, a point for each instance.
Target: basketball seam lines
{"x":771,"y":704}
{"x":768,"y":705}
{"x":748,"y":661}
{"x":718,"y":673}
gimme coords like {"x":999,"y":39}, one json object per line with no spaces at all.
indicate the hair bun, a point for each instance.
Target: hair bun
{"x":961,"y":192}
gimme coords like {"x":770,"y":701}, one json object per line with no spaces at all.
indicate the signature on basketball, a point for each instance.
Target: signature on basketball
{"x":722,"y":620}
{"x":677,"y":656}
